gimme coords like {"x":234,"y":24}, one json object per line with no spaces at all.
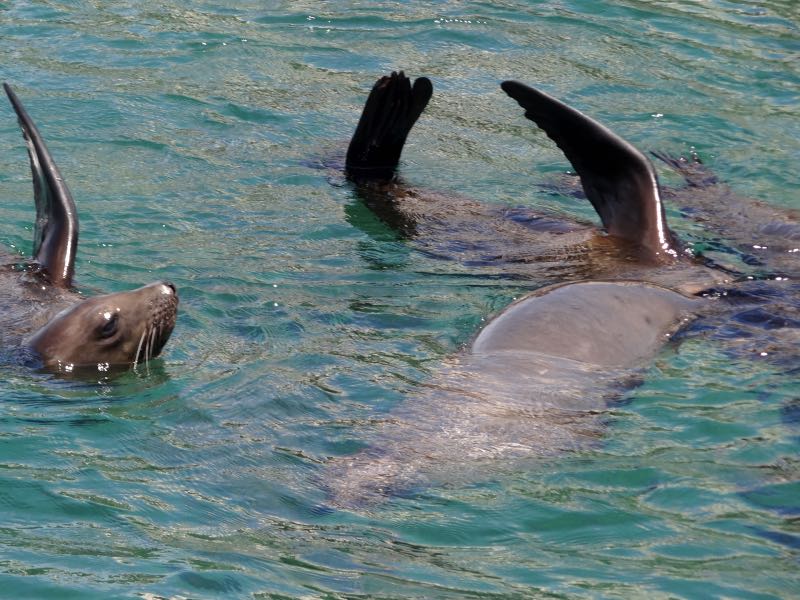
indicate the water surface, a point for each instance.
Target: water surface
{"x":191,"y":134}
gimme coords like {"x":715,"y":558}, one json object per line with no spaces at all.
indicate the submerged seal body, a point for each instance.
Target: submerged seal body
{"x":532,"y":383}
{"x":44,"y":320}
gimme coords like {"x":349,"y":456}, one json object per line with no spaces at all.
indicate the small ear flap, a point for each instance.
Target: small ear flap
{"x":619,"y":181}
{"x":392,"y":108}
{"x":56,"y":233}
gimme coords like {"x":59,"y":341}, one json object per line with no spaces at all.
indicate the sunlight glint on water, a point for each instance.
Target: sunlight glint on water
{"x":188,"y":133}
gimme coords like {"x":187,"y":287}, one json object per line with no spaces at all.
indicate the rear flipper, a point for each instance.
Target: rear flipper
{"x":393,"y":106}
{"x":618,"y":180}
{"x":691,"y":169}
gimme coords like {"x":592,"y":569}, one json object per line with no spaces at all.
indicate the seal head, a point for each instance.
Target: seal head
{"x":114,"y":329}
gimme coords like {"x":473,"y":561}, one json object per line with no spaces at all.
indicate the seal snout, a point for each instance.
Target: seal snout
{"x":164,"y":306}
{"x":159,"y":320}
{"x":168,"y":288}
{"x":164,"y":286}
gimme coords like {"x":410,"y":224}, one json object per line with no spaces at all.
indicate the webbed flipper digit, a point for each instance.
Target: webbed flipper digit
{"x":56,"y":232}
{"x":619,"y":181}
{"x":391,"y":110}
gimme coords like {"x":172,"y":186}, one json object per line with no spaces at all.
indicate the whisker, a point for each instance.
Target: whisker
{"x":151,"y":345}
{"x":147,"y":350}
{"x":139,"y":349}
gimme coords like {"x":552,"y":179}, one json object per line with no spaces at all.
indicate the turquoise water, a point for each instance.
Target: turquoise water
{"x":190,"y":135}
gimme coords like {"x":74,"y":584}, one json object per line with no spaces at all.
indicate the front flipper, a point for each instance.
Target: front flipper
{"x":619,"y":181}
{"x":56,"y":233}
{"x":392,"y":108}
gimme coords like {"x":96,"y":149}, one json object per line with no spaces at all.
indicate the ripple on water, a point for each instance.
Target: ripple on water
{"x":186,"y":133}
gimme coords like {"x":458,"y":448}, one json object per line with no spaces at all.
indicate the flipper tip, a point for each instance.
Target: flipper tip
{"x":392,"y":108}
{"x":513,"y":87}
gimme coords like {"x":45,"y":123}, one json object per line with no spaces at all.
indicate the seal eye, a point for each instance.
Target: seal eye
{"x":109,"y":328}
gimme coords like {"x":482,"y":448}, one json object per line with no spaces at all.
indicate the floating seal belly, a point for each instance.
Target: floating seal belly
{"x":614,"y":324}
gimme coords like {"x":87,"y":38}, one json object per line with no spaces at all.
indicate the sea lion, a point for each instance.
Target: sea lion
{"x":44,"y":321}
{"x":535,"y":378}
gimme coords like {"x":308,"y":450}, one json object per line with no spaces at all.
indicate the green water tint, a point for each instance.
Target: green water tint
{"x":304,"y":321}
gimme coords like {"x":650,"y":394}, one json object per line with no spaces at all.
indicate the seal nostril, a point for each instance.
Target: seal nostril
{"x":171,"y":286}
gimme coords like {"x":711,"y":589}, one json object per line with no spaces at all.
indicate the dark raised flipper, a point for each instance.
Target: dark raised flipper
{"x":619,"y":181}
{"x":393,"y":106}
{"x":56,"y":233}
